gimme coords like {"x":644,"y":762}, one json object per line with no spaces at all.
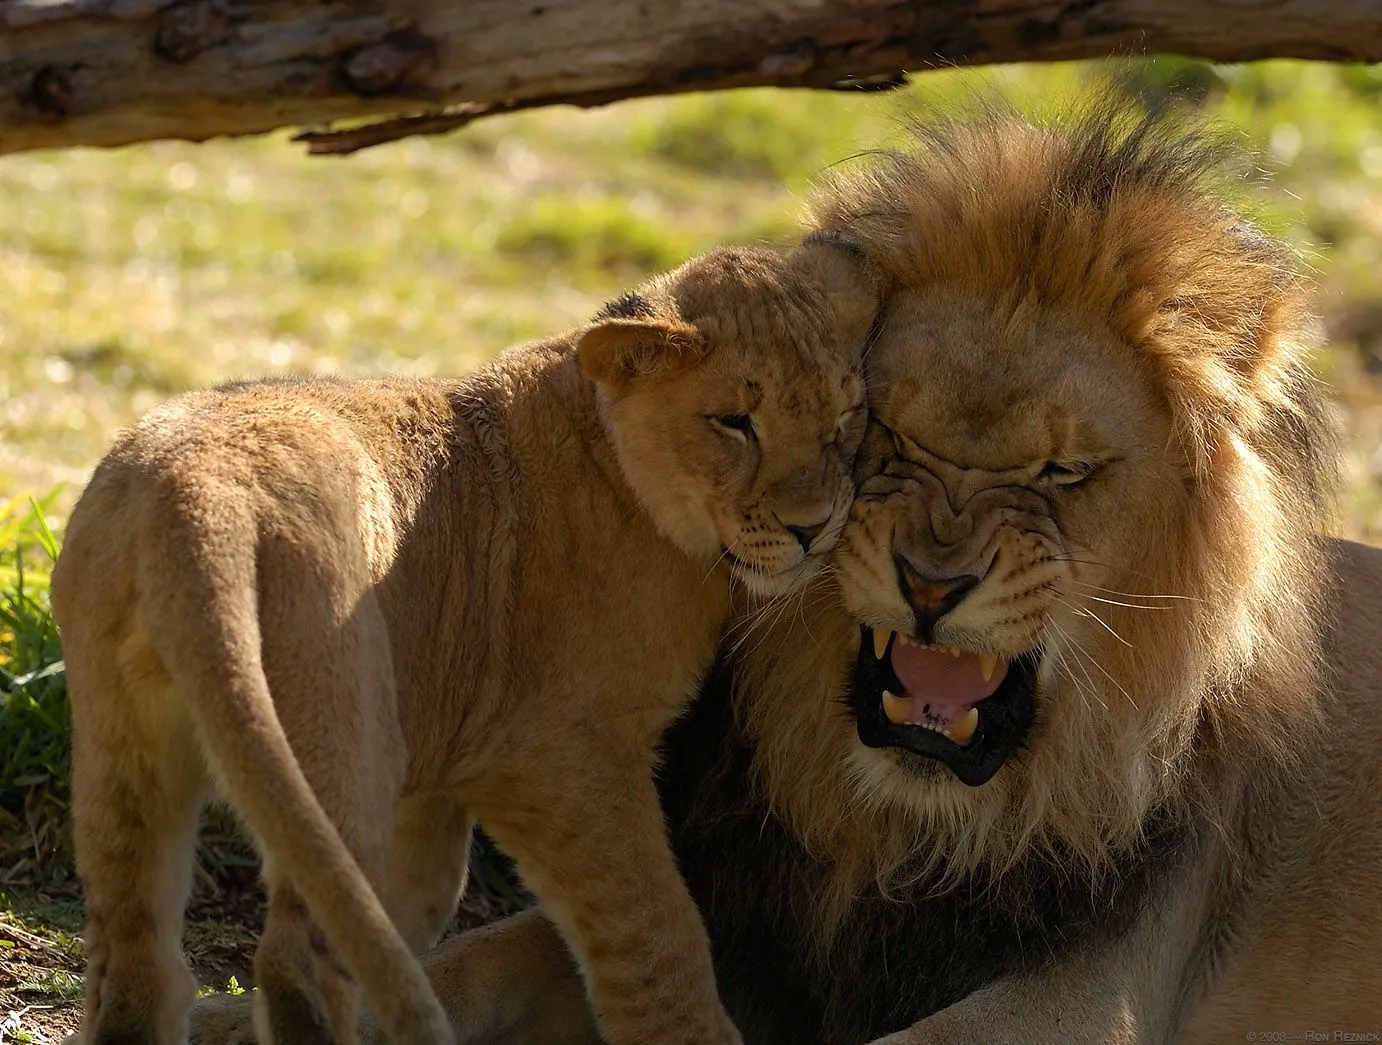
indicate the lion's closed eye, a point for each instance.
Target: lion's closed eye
{"x":1069,"y":473}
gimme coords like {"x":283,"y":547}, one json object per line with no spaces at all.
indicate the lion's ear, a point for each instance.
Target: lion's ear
{"x":834,"y":240}
{"x":842,"y":268}
{"x":616,"y":352}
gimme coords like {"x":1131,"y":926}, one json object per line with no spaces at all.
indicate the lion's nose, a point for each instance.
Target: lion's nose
{"x":806,"y":535}
{"x":931,"y":598}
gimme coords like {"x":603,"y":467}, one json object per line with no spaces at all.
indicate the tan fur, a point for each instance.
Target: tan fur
{"x":367,"y":613}
{"x":1074,"y":292}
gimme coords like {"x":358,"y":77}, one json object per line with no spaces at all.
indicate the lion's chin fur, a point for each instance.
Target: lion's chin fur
{"x":1161,"y":738}
{"x":1168,"y":716}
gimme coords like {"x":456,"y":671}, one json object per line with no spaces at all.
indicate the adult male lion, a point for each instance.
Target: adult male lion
{"x":1090,"y":499}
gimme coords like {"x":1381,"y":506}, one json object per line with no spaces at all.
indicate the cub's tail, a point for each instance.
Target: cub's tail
{"x":206,"y":630}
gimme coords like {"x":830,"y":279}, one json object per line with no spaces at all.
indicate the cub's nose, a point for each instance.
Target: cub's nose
{"x":806,"y":535}
{"x":931,"y":598}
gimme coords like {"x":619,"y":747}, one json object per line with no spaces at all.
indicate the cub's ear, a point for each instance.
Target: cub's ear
{"x":616,"y":352}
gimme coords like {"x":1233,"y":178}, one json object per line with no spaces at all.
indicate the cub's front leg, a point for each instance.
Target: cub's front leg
{"x":594,"y":847}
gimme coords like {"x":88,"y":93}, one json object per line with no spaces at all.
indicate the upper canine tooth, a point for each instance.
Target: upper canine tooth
{"x":987,"y":663}
{"x":896,"y":708}
{"x":955,"y":651}
{"x":880,"y":642}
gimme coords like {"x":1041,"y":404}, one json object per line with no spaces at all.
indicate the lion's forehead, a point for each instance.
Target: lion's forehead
{"x":984,"y":395}
{"x":954,"y":521}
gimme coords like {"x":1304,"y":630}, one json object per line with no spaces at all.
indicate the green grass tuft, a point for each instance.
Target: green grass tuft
{"x":35,"y":844}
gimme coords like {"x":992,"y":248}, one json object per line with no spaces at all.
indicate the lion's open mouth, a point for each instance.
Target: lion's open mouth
{"x":968,"y":710}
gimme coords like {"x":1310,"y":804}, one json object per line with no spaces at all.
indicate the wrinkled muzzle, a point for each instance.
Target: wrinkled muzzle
{"x":951,"y":580}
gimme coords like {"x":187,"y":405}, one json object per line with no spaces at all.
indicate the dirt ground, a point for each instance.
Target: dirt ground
{"x":41,"y":957}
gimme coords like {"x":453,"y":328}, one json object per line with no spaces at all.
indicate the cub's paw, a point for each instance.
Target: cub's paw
{"x":222,"y":1019}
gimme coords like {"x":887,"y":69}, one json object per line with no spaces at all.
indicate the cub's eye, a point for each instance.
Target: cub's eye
{"x":1067,"y":473}
{"x":736,"y":426}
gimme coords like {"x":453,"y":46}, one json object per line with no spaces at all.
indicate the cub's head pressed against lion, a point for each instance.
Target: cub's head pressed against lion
{"x":1080,"y":560}
{"x":731,"y":390}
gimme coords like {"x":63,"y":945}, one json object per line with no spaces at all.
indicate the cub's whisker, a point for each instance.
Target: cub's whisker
{"x":719,"y":559}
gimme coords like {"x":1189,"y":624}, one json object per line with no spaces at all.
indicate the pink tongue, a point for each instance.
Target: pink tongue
{"x":950,"y":685}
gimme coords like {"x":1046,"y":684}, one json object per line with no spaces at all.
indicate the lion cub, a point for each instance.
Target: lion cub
{"x":368,"y":613}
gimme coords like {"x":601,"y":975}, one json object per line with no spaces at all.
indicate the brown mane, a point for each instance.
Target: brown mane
{"x":1115,"y":213}
{"x":1121,"y":220}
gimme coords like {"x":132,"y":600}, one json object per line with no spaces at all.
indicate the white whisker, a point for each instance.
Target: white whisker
{"x":1115,"y":602}
{"x":719,"y":559}
{"x":760,"y":620}
{"x":1132,"y":594}
{"x":1080,"y":651}
{"x":1073,"y":647}
{"x":1084,"y":611}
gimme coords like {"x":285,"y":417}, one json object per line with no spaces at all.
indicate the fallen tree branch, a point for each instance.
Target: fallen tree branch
{"x":353,"y":139}
{"x":108,"y":72}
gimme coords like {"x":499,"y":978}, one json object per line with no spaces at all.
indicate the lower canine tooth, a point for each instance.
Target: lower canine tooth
{"x":962,"y":729}
{"x":880,"y":643}
{"x":987,"y":663}
{"x":896,"y":708}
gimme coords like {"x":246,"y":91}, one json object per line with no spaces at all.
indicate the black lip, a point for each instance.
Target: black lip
{"x":1004,"y":718}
